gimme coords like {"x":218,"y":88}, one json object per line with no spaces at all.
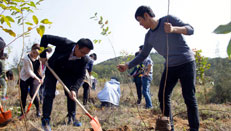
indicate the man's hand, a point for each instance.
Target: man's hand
{"x":122,"y":67}
{"x":73,"y":95}
{"x":43,"y":60}
{"x":168,"y":28}
{"x":146,"y":73}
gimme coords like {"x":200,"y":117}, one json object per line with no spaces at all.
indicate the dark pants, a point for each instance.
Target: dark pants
{"x":49,"y":94}
{"x":186,"y":73}
{"x":107,"y":104}
{"x":86,"y":92}
{"x":41,"y":93}
{"x":138,"y":83}
{"x":24,"y":85}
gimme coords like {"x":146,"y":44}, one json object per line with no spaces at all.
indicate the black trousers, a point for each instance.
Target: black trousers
{"x":138,"y":83}
{"x":24,"y":86}
{"x":86,"y":92}
{"x":186,"y":73}
{"x":49,"y":95}
{"x":41,"y":93}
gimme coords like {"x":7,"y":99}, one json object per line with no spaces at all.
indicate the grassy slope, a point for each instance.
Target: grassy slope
{"x":126,"y":117}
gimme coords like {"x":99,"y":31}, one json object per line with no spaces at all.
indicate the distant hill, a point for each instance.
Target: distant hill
{"x":219,"y":66}
{"x":108,"y":68}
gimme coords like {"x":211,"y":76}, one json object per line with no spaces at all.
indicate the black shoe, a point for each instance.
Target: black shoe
{"x":84,"y":102}
{"x":46,"y":125}
{"x":74,"y":121}
{"x":138,"y":101}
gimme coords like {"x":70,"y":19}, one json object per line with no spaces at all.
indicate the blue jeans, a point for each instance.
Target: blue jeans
{"x":146,"y":82}
{"x":186,"y":73}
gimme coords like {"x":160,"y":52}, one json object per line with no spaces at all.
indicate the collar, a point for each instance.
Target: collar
{"x":72,"y":57}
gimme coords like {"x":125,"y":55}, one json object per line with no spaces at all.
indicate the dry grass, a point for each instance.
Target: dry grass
{"x":128,"y":116}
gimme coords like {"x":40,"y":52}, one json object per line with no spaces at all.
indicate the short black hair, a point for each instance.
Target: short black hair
{"x":10,"y":75}
{"x":94,"y":56}
{"x":35,"y":46}
{"x":141,"y":47}
{"x":2,"y":43}
{"x":144,"y":9}
{"x":115,"y":78}
{"x":85,"y":43}
{"x":137,"y":53}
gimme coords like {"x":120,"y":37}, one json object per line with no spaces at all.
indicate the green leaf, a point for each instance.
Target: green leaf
{"x":16,"y":9}
{"x":229,"y":49}
{"x":41,"y":30}
{"x":27,"y":9}
{"x":107,"y":28}
{"x":4,"y":1}
{"x":45,"y":21}
{"x":95,"y":41}
{"x":6,"y":20}
{"x":12,"y":3}
{"x":18,"y":0}
{"x":35,"y":19}
{"x":10,"y":18}
{"x":32,"y":4}
{"x":223,"y":29}
{"x":3,"y":6}
{"x":22,"y":4}
{"x":10,"y":32}
{"x":19,"y":20}
{"x":92,"y":17}
{"x":2,"y":19}
{"x":28,"y":23}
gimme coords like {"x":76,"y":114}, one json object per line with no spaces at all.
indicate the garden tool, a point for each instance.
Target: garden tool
{"x":94,"y":120}
{"x":6,"y":116}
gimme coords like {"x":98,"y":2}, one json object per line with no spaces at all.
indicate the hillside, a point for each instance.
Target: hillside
{"x":217,"y":78}
{"x":127,"y":117}
{"x":214,"y":103}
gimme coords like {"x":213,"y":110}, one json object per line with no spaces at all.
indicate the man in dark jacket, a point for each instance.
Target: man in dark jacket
{"x":68,"y":61}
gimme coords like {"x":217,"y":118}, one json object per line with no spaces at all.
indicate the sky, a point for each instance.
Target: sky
{"x":71,"y":19}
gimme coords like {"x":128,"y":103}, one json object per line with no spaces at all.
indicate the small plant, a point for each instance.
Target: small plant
{"x":225,"y":29}
{"x":103,"y":26}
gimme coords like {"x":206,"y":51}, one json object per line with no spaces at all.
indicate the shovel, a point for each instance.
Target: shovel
{"x":5,"y":117}
{"x":94,"y":120}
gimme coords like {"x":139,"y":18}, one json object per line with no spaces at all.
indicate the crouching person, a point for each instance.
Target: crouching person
{"x":110,"y":95}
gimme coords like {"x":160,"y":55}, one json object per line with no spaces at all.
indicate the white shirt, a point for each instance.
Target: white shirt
{"x":27,"y":70}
